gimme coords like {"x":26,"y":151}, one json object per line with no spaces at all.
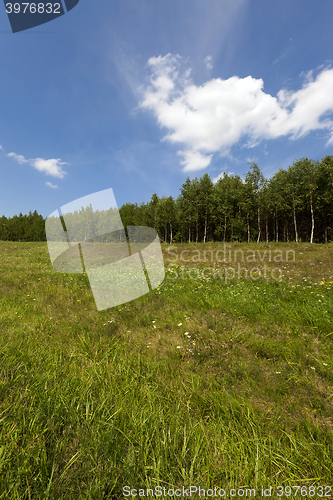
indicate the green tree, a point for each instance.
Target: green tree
{"x":307,"y":182}
{"x":128,"y":214}
{"x":293,"y":189}
{"x":325,"y":189}
{"x":279,"y":201}
{"x":151,"y":211}
{"x":222,"y":207}
{"x":188,"y":205}
{"x":205,"y":201}
{"x":256,"y":183}
{"x":166,"y":217}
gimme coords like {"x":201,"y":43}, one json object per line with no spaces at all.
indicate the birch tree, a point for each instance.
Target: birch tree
{"x":188,"y":205}
{"x":294,"y":191}
{"x":205,"y":199}
{"x":256,"y":182}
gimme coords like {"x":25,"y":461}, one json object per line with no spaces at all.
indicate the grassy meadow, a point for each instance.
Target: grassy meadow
{"x":206,"y":381}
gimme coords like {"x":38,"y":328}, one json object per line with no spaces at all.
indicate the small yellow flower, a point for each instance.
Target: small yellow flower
{"x":38,"y":279}
{"x":20,"y":276}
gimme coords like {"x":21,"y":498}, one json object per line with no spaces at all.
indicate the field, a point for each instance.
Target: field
{"x":209,"y":380}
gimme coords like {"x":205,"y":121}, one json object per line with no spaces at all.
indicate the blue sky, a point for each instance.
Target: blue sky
{"x":137,"y":95}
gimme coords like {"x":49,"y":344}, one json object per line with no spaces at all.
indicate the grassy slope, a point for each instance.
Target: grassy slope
{"x":201,"y":382}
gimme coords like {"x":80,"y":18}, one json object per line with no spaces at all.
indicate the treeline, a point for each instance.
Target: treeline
{"x":23,"y":227}
{"x":293,"y":205}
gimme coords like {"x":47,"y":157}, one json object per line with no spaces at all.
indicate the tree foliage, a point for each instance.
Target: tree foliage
{"x":23,"y":227}
{"x":293,"y":205}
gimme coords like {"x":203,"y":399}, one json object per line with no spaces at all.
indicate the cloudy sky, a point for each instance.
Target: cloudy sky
{"x":136,"y":95}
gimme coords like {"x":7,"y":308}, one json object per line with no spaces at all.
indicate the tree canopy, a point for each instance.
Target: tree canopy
{"x":293,"y":205}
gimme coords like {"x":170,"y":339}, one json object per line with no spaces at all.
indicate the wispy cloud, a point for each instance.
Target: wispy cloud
{"x":51,"y":167}
{"x":19,"y":158}
{"x":278,"y":59}
{"x":208,"y":62}
{"x":51,"y":185}
{"x":215,"y":116}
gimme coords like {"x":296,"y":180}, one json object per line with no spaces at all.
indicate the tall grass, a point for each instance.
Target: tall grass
{"x":201,"y":382}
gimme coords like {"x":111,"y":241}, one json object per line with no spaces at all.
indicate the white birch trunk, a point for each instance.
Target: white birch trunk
{"x":312,"y":220}
{"x":258,"y":224}
{"x":295,"y":225}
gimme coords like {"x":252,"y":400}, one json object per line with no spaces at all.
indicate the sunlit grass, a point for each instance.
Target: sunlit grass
{"x":200,"y":382}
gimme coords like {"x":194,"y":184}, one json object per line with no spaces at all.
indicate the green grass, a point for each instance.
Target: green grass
{"x":201,"y":382}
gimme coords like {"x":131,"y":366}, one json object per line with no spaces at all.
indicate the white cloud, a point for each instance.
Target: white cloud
{"x":215,"y":116}
{"x":193,"y":160}
{"x":50,"y":167}
{"x":51,"y":185}
{"x":19,"y":158}
{"x":208,"y":62}
{"x":220,"y":176}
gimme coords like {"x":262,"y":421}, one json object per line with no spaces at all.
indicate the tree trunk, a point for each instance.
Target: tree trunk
{"x":258,"y":224}
{"x":170,"y":234}
{"x":205,"y":234}
{"x":312,"y":220}
{"x":295,"y":225}
{"x":248,"y":228}
{"x":277,"y":229}
{"x":266,"y":230}
{"x":225,"y":228}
